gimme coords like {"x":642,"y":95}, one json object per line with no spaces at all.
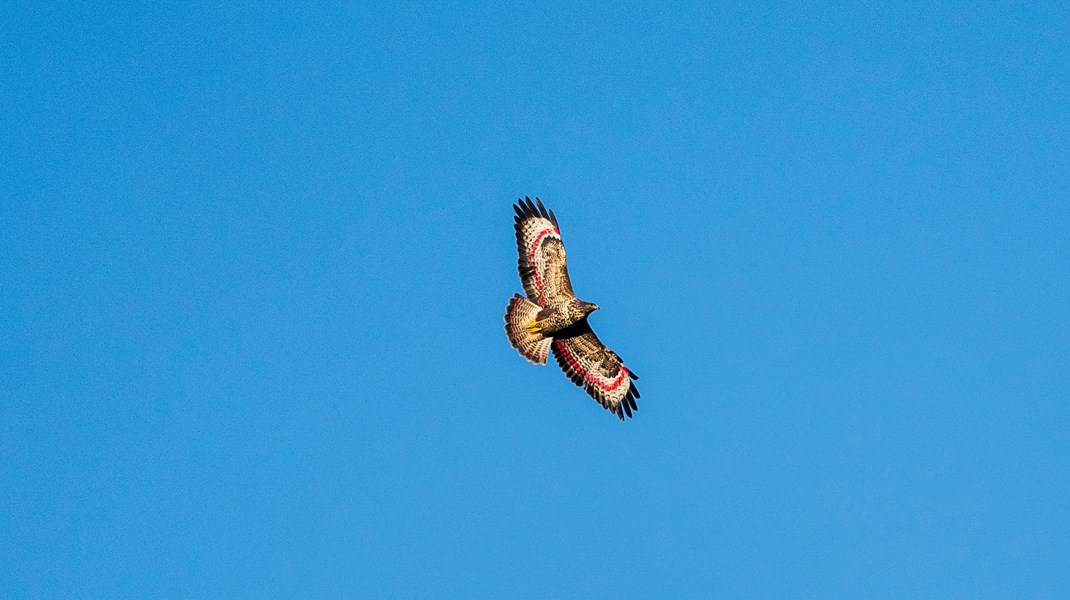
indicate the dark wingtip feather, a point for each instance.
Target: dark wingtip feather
{"x":633,"y":375}
{"x":635,"y":391}
{"x":526,"y":208}
{"x":542,"y":209}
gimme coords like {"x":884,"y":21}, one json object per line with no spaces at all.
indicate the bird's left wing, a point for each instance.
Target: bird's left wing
{"x":596,"y":368}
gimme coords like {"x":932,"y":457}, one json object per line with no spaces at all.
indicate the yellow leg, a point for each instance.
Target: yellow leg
{"x":533,"y":327}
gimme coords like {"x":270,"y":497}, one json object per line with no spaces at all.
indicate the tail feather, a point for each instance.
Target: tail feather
{"x":520,"y":313}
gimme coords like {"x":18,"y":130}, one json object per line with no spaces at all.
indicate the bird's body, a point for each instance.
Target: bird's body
{"x":551,"y":317}
{"x":554,"y":319}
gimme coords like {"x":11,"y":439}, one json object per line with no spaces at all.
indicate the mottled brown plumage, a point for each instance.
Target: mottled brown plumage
{"x":551,"y":317}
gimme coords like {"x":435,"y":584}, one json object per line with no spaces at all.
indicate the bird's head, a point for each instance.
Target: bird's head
{"x":589,"y":307}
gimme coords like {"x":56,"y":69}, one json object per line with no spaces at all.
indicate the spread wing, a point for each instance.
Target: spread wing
{"x":542,"y":266}
{"x":595,"y":368}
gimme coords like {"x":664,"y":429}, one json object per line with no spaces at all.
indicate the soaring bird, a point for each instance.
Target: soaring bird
{"x":551,"y":317}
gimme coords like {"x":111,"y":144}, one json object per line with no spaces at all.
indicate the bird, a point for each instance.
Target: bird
{"x":550,"y":318}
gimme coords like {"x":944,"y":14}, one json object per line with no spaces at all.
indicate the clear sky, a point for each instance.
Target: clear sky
{"x":255,"y":261}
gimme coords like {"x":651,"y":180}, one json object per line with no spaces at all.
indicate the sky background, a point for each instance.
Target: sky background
{"x":256,"y":258}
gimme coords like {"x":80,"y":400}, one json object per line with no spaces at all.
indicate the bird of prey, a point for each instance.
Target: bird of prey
{"x":551,"y":317}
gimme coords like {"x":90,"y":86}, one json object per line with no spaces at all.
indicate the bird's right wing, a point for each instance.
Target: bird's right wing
{"x":542,"y":265}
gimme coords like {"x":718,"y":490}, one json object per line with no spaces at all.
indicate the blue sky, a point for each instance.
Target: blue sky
{"x":256,"y":260}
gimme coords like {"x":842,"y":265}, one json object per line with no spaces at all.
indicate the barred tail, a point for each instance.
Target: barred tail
{"x":519,"y":315}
